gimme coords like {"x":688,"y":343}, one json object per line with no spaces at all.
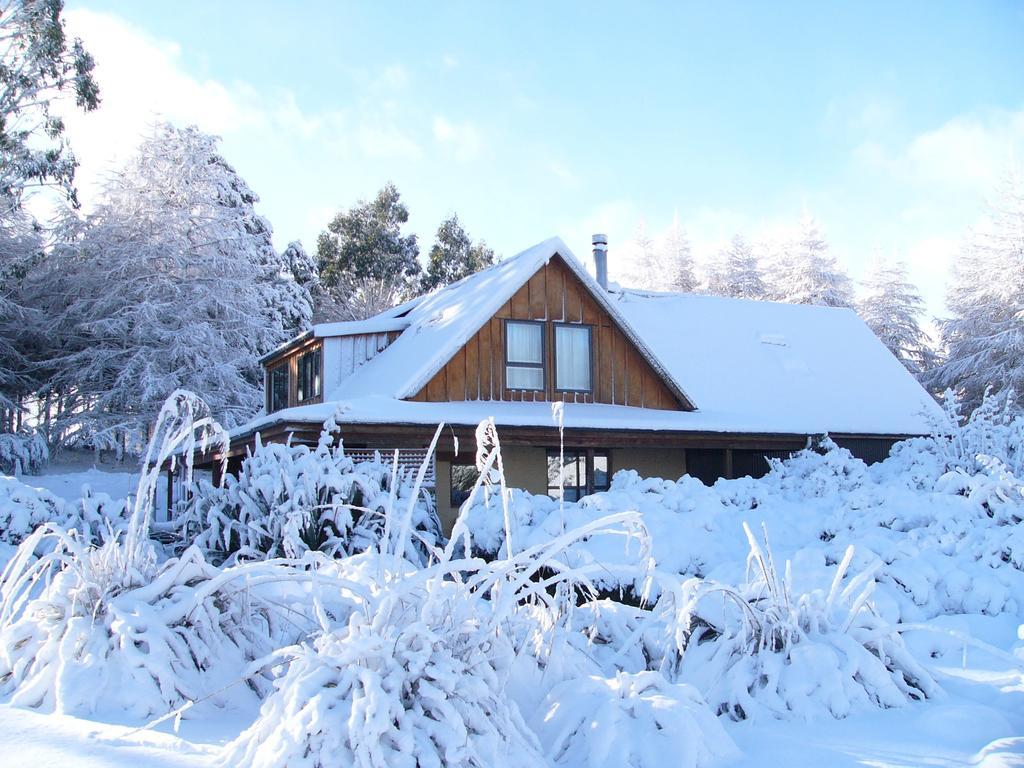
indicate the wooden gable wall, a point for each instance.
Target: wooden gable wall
{"x":621,"y":376}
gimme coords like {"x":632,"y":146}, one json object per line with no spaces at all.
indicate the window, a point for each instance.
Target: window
{"x":278,"y":388}
{"x":582,"y":472}
{"x":572,"y":357}
{"x":524,"y":355}
{"x":463,"y":478}
{"x":309,"y":375}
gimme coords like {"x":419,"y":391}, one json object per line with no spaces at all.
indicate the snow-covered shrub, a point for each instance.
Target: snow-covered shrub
{"x":139,"y":642}
{"x":419,"y":676}
{"x":291,"y":499}
{"x":636,"y":720}
{"x":763,"y":649}
{"x":418,"y":682}
{"x":85,"y":626}
{"x":23,"y":509}
{"x":23,"y":452}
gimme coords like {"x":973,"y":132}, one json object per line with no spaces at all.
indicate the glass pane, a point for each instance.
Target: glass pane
{"x":572,"y":472}
{"x":572,"y":357}
{"x":524,"y":343}
{"x":463,"y":478}
{"x":524,"y":378}
{"x":279,"y":388}
{"x":600,"y":472}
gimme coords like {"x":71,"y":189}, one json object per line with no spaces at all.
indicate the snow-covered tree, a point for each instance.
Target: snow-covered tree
{"x":21,"y":247}
{"x":676,"y":258}
{"x":37,"y":64}
{"x":737,"y":273}
{"x":892,"y":308}
{"x":808,"y":273}
{"x":366,"y":241}
{"x":454,"y":255}
{"x":984,"y":338}
{"x":171,"y":283}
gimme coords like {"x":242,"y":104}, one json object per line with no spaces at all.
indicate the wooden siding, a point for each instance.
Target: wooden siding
{"x":620,"y":375}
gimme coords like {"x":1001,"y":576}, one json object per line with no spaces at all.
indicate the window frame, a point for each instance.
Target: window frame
{"x":588,"y":455}
{"x":543,"y":356}
{"x":316,"y":375}
{"x":282,"y":366}
{"x":589,"y":327}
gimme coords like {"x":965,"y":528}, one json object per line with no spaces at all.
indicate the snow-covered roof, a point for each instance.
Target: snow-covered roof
{"x":443,"y":321}
{"x":378,"y":324}
{"x":781,"y":367}
{"x":747,"y":366}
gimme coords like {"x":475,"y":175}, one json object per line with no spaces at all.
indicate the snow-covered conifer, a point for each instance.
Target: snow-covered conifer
{"x":809,"y":274}
{"x":984,"y":338}
{"x":172,"y":282}
{"x":676,"y":258}
{"x":892,"y":308}
{"x":738,"y":272}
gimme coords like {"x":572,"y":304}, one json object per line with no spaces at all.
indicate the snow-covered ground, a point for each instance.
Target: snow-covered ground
{"x":886,"y":605}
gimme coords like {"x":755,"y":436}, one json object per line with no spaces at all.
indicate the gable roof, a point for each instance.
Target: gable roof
{"x":752,"y":367}
{"x":441,"y":322}
{"x":785,"y":363}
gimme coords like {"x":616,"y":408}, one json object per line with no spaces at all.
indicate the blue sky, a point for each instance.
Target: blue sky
{"x":890,"y":122}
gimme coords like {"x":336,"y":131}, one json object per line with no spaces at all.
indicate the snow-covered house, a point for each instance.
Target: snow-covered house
{"x":661,"y":383}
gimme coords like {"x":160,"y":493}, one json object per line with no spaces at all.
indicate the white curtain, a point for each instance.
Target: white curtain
{"x":572,"y":357}
{"x":524,"y":346}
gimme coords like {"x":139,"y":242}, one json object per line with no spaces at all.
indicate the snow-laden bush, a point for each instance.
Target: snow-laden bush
{"x":764,"y":649}
{"x":23,"y":452}
{"x":135,"y":638}
{"x":638,"y":720}
{"x":23,"y":509}
{"x":85,"y":626}
{"x":420,"y":676}
{"x":290,"y":499}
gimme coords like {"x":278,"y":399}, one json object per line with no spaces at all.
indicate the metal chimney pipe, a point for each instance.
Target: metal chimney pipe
{"x":601,"y":259}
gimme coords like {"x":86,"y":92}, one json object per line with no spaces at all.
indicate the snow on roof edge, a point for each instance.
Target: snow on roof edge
{"x":541,"y":253}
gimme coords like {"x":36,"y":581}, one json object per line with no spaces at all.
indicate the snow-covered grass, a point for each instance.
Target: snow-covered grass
{"x":872,"y":619}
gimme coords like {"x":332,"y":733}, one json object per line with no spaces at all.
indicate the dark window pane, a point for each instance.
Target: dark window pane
{"x":279,"y":388}
{"x":463,"y":478}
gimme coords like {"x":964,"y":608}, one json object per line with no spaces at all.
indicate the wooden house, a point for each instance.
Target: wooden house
{"x":665,"y":384}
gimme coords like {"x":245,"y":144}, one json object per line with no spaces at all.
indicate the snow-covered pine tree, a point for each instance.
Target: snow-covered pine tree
{"x":454,"y":256}
{"x":809,"y":274}
{"x":21,"y":247}
{"x":640,"y":269}
{"x":37,"y":64}
{"x":676,"y":258}
{"x":892,"y":308}
{"x":737,"y":273}
{"x":984,"y":339}
{"x":172,"y":283}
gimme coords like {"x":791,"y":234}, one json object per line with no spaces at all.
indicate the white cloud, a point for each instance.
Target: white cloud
{"x":970,"y":150}
{"x":143,"y":79}
{"x":462,"y":138}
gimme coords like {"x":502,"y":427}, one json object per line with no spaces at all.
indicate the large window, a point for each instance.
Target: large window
{"x":278,"y":388}
{"x":572,"y":358}
{"x":524,"y":355}
{"x":309,"y":376}
{"x":581,"y":472}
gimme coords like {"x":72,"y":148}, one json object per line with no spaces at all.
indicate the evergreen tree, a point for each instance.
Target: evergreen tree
{"x":367,"y":242}
{"x":37,"y":64}
{"x":641,"y":270}
{"x":984,"y":339}
{"x":453,"y":256}
{"x":738,"y":273}
{"x":676,"y":259}
{"x":892,"y":308}
{"x":171,"y":283}
{"x":809,"y":274}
